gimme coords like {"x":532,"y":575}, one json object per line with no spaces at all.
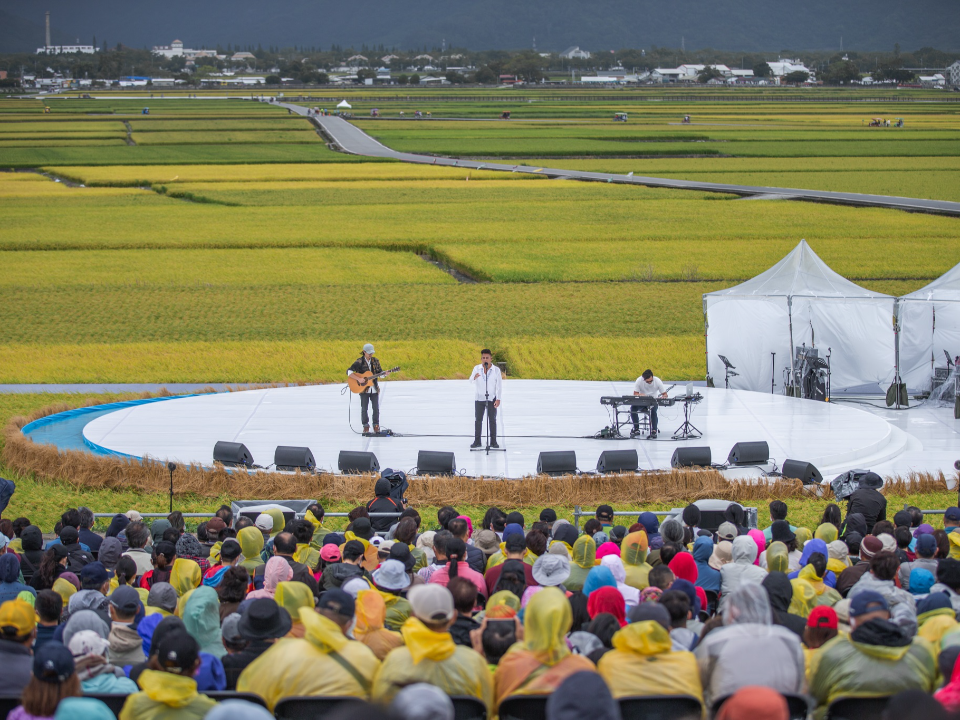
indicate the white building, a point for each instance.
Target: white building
{"x":243,"y":56}
{"x":65,"y":49}
{"x":785,"y":67}
{"x":575,"y":53}
{"x":953,"y":74}
{"x":174,"y":49}
{"x":937,"y":80}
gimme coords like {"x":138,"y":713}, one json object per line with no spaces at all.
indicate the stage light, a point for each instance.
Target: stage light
{"x":430,"y":462}
{"x":232,"y":454}
{"x":291,"y":458}
{"x":801,"y":470}
{"x":749,"y":453}
{"x":351,"y":462}
{"x":611,"y":461}
{"x":691,"y":457}
{"x":561,"y":462}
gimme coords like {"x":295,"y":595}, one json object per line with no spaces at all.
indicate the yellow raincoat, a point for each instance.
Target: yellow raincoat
{"x":803,"y":534}
{"x":643,"y":662}
{"x":500,"y":557}
{"x":308,"y":555}
{"x":292,"y":596}
{"x":371,"y":614}
{"x":634,"y":556}
{"x":542,"y":661}
{"x":64,"y":589}
{"x":502,"y":604}
{"x":185,"y":578}
{"x":432,"y":657}
{"x":251,"y":545}
{"x":143,"y":592}
{"x":934,"y":624}
{"x":398,"y":610}
{"x":778,"y":558}
{"x":582,"y":561}
{"x":954,"y":538}
{"x":279,"y":521}
{"x":324,"y":662}
{"x":166,"y":696}
{"x":809,"y":591}
{"x":827,"y":532}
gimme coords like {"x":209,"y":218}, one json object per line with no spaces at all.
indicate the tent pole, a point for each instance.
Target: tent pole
{"x":706,"y":349}
{"x":792,"y":368}
{"x":896,"y":348}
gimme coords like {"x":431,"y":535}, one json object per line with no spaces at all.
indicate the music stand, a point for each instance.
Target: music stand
{"x":728,"y":368}
{"x":687,"y":431}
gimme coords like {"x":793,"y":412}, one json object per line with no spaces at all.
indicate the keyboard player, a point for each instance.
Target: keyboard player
{"x":647,"y":385}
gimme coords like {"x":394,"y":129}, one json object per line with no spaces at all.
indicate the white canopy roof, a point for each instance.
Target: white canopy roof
{"x":930,"y":326}
{"x":944,"y":288}
{"x":344,"y":104}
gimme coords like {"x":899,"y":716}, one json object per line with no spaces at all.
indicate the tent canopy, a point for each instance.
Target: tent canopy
{"x":344,"y":104}
{"x":930,"y":322}
{"x":944,"y":288}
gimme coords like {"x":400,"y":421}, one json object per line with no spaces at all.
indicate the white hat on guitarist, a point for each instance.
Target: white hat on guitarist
{"x":368,"y":348}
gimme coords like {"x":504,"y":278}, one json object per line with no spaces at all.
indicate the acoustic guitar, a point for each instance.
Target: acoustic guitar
{"x":358,"y":382}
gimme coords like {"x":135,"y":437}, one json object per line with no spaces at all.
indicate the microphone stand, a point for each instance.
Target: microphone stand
{"x":486,"y":392}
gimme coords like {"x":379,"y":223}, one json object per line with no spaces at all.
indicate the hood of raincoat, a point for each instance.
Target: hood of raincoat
{"x":322,"y":632}
{"x":811,"y":547}
{"x":761,"y":542}
{"x":634,"y":548}
{"x":649,"y":522}
{"x":342,"y":572}
{"x":779,"y":590}
{"x":109,"y":553}
{"x":381,"y":488}
{"x":702,"y":549}
{"x":117,"y":525}
{"x":185,"y":576}
{"x":201,"y":616}
{"x":251,"y":543}
{"x":167,"y":688}
{"x":84,"y":620}
{"x":616,"y":567}
{"x":371,"y":612}
{"x":425,"y":644}
{"x":827,"y":532}
{"x":647,"y":637}
{"x":546,"y":622}
{"x":607,"y":600}
{"x":584,"y":552}
{"x":855,"y":522}
{"x":278,"y":570}
{"x":597,"y":578}
{"x":684,"y":567}
{"x":9,"y":568}
{"x":744,"y":550}
{"x":809,"y":573}
{"x":803,"y":535}
{"x":31,"y":538}
{"x":292,"y":596}
{"x":279,"y":521}
{"x":158,"y":528}
{"x":778,"y":558}
{"x":503,"y":604}
{"x":881,"y":639}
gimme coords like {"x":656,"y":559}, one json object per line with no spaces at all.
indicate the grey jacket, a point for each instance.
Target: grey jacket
{"x":17,"y":663}
{"x":918,"y":564}
{"x":903,"y":609}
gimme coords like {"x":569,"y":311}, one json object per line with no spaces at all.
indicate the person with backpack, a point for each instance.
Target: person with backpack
{"x":384,"y":502}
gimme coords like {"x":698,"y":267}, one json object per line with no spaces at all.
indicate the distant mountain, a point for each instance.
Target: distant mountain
{"x":746,"y":25}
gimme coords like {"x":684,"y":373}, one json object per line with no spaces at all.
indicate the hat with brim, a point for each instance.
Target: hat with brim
{"x":392,"y":575}
{"x":780,"y":532}
{"x":722,"y":554}
{"x":368,"y":348}
{"x":551,"y":570}
{"x":264,"y":619}
{"x":727,"y":531}
{"x":487,"y":542}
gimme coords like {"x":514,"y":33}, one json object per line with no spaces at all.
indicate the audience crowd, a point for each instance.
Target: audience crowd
{"x":409,"y":612}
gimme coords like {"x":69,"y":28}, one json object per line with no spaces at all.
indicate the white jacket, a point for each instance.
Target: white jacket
{"x":741,"y":570}
{"x":490,"y":382}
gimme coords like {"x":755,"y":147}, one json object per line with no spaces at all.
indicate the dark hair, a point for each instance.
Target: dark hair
{"x":412,"y":514}
{"x":815,"y":637}
{"x":49,"y":606}
{"x":516,"y":518}
{"x":832,"y":515}
{"x":661,"y":576}
{"x":916,"y":516}
{"x":126,"y":571}
{"x":71,"y":518}
{"x":536,"y":542}
{"x":233,"y":584}
{"x":225,"y":514}
{"x":943,"y":544}
{"x":678,"y":605}
{"x":604,"y":626}
{"x":515,"y":543}
{"x":458,"y":526}
{"x":285,"y":544}
{"x":486,"y":351}
{"x":445,"y":515}
{"x":819,"y":563}
{"x":49,"y":569}
{"x":541,"y":526}
{"x":441,"y":540}
{"x":230,"y":550}
{"x":647,"y":374}
{"x":406,"y":531}
{"x":358,"y":512}
{"x":317,"y":510}
{"x":137,"y":534}
{"x":494,"y":519}
{"x":6,"y":527}
{"x":176,"y":520}
{"x":903,"y":536}
{"x":456,"y":553}
{"x":669,"y":551}
{"x":171,"y":534}
{"x":19,"y":524}
{"x":512,"y":578}
{"x":778,"y":510}
{"x":884,"y":565}
{"x":464,"y":595}
{"x":228,"y":533}
{"x":244,"y":522}
{"x":498,"y":637}
{"x":303,"y":531}
{"x":592,"y":526}
{"x":883,"y":527}
{"x":202,"y":535}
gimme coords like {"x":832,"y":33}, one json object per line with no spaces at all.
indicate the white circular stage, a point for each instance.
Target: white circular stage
{"x":536,"y":416}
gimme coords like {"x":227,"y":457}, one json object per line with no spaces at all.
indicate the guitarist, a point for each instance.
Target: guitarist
{"x":371,"y":394}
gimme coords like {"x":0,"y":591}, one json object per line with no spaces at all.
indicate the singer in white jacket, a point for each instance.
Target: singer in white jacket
{"x":488,"y":386}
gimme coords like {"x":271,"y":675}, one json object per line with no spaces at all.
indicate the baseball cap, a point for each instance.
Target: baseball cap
{"x":17,"y":618}
{"x":926,"y":546}
{"x":952,"y":513}
{"x":126,"y":600}
{"x":69,"y":535}
{"x":822,"y":616}
{"x":870,"y":546}
{"x":431,"y":603}
{"x":605,"y":512}
{"x":178,"y":651}
{"x":727,"y":531}
{"x":923,"y":529}
{"x":264,"y":522}
{"x":338,"y":601}
{"x":368,"y":348}
{"x":214,"y":526}
{"x":353,"y":549}
{"x":548,"y":515}
{"x":93,"y":574}
{"x":512,"y":529}
{"x":133,"y":516}
{"x":330,"y":553}
{"x":867,"y":601}
{"x":52,"y":663}
{"x":164,"y":596}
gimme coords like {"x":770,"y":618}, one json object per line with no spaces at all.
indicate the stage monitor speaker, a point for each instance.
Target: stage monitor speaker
{"x":232,"y":454}
{"x":287,"y":457}
{"x":749,"y":453}
{"x":617,"y":461}
{"x":353,"y":463}
{"x":802,"y":470}
{"x":561,"y":462}
{"x":691,"y":457}
{"x":430,"y":462}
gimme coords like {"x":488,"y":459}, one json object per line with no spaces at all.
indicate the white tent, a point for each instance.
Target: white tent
{"x":800,"y":301}
{"x":930,"y":325}
{"x":344,"y":104}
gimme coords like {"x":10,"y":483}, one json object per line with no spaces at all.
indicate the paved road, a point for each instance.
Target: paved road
{"x":352,"y":139}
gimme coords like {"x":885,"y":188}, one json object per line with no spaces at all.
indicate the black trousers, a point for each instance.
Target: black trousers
{"x":480,"y":407}
{"x":635,"y":418}
{"x":365,"y":400}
